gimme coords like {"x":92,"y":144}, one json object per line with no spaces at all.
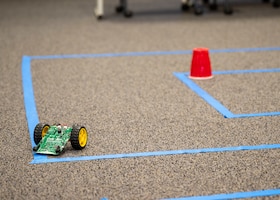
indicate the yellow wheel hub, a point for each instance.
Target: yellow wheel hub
{"x":45,"y":130}
{"x":83,"y":137}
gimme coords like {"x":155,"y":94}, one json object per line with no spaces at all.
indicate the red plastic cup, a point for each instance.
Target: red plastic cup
{"x":201,"y":65}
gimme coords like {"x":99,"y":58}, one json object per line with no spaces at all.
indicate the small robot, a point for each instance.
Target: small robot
{"x":51,"y":140}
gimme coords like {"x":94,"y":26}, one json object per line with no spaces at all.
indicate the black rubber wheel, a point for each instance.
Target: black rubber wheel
{"x":40,"y":131}
{"x":185,"y":7}
{"x":228,"y":11}
{"x":128,"y":14}
{"x":119,"y":9}
{"x":78,"y":137}
{"x":100,"y":17}
{"x":276,"y":4}
{"x":213,"y":6}
{"x":198,"y":10}
{"x":228,"y":8}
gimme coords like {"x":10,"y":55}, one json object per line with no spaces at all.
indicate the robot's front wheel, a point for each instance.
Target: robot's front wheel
{"x":78,"y":137}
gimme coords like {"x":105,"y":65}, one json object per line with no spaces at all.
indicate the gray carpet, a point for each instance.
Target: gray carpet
{"x":135,"y":103}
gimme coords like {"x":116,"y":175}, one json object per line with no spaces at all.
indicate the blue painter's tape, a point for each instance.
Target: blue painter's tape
{"x":28,"y":95}
{"x":237,"y":195}
{"x":156,"y":153}
{"x":215,"y":103}
{"x":239,"y":50}
{"x":154,"y":53}
{"x":264,"y":114}
{"x":30,"y":106}
{"x":247,"y":71}
{"x":104,"y":55}
{"x":29,"y":101}
{"x":203,"y":94}
{"x":32,"y":116}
